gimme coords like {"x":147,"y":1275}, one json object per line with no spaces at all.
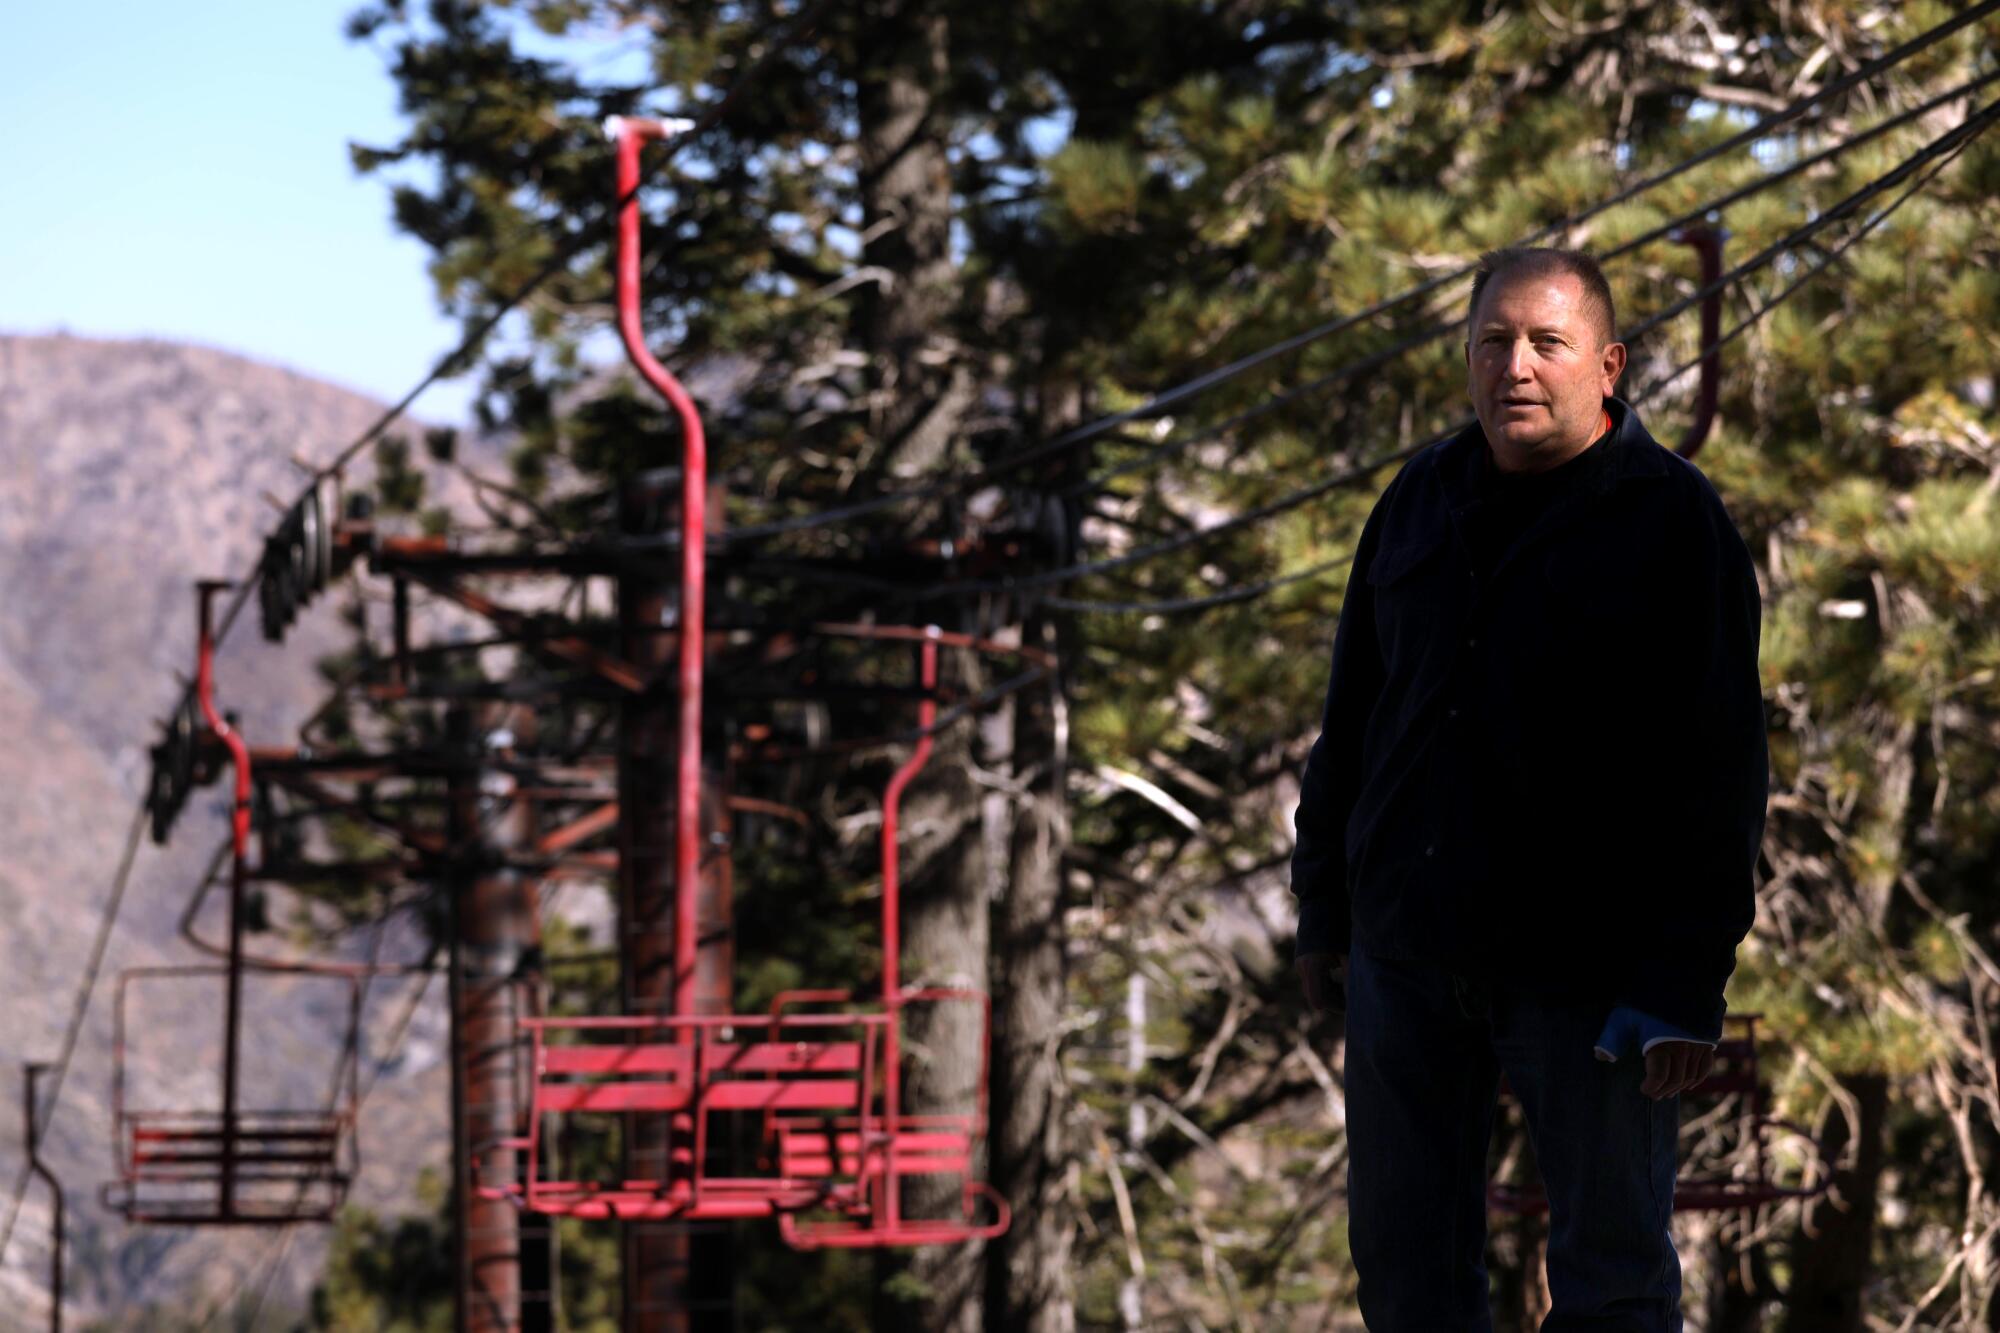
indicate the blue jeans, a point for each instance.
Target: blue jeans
{"x":1425,"y":1050}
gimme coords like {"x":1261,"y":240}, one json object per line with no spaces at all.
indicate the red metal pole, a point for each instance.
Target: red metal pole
{"x":892,"y":937}
{"x":461,"y":820}
{"x":678,"y":1275}
{"x":654,"y":1258}
{"x":631,"y":135}
{"x":239,"y":845}
{"x":1707,"y":242}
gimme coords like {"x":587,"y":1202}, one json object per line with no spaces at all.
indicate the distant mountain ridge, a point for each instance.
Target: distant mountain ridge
{"x":127,"y":470}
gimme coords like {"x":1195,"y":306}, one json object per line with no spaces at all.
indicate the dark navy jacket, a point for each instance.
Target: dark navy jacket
{"x":1551,"y":773}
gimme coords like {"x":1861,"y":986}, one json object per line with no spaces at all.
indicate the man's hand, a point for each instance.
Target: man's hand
{"x":1323,"y":976}
{"x":1675,"y":1066}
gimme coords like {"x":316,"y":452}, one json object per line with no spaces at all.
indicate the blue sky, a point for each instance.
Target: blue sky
{"x":181,"y":171}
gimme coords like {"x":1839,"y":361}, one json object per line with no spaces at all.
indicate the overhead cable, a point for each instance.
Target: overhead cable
{"x":1245,"y":592}
{"x":1160,"y":402}
{"x":1096,"y":483}
{"x":1777,"y":119}
{"x":1949,"y":143}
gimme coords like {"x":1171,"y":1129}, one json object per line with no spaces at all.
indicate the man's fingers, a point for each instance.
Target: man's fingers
{"x":1664,"y":1070}
{"x":1658,"y":1063}
{"x":1684,"y":1062}
{"x":1673,"y":1067}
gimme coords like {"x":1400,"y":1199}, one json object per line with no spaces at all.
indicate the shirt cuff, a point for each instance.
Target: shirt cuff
{"x":1627,"y":1028}
{"x":1651,"y":1042}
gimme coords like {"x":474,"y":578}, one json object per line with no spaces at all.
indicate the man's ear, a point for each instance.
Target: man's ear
{"x":1612,"y":365}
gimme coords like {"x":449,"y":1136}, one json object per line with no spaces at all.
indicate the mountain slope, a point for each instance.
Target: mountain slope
{"x":128,"y":470}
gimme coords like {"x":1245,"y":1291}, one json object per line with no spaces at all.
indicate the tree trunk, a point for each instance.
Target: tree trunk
{"x":1028,"y":1273}
{"x":917,"y":400}
{"x":1739,"y":1284}
{"x":493,"y":925}
{"x":918,"y":393}
{"x":1830,"y":1259}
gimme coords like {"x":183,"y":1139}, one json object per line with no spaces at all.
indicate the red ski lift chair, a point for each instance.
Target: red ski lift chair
{"x":1735,"y":1075}
{"x":822,"y":1091}
{"x":231,"y":1165}
{"x":826,"y":1088}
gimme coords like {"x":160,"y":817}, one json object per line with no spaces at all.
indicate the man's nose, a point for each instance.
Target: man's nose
{"x":1519,"y":358}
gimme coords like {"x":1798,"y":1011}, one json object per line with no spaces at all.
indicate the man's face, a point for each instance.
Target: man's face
{"x":1536,"y":373}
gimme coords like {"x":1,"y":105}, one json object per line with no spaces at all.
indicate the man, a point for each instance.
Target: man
{"x":1528,"y":830}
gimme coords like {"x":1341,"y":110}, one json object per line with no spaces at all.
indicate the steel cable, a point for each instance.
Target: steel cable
{"x":1096,"y":483}
{"x":1171,"y":397}
{"x":1949,"y":145}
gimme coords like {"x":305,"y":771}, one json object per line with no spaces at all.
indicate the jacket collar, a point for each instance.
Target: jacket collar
{"x":1630,"y":454}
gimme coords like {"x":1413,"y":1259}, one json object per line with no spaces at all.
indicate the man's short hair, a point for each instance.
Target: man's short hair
{"x":1537,"y":261}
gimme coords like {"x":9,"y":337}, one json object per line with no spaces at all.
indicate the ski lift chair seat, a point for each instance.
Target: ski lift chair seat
{"x":815,"y":1080}
{"x":288,"y":1166}
{"x":689,"y":1080}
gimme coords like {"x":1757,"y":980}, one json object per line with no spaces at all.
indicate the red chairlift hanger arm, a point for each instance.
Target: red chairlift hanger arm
{"x":833,"y":1149}
{"x":1706,"y":241}
{"x":177,"y":1150}
{"x":892,"y":941}
{"x":204,"y":686}
{"x":630,"y":135}
{"x":239,"y":843}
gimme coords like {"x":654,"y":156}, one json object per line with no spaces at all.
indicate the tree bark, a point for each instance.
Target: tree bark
{"x":1736,"y":1303}
{"x":918,"y":394}
{"x":917,"y":398}
{"x":1830,"y":1259}
{"x":1028,"y":1272}
{"x":493,"y":925}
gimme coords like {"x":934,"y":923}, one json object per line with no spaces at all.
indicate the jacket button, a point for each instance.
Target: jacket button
{"x":1472,"y":643}
{"x":1451,"y":712}
{"x":1431,"y":850}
